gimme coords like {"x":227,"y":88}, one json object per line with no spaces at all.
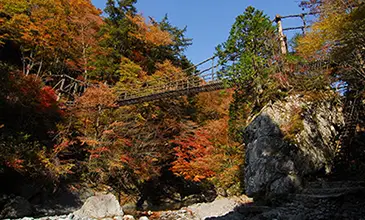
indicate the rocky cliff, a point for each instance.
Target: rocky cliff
{"x":288,"y":141}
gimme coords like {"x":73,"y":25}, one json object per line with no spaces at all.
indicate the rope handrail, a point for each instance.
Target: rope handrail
{"x":182,"y":71}
{"x":299,"y":15}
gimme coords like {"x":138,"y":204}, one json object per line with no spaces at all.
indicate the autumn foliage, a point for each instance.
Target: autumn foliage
{"x":150,"y":32}
{"x":192,"y":156}
{"x":47,"y":133}
{"x":50,"y":31}
{"x":29,"y":113}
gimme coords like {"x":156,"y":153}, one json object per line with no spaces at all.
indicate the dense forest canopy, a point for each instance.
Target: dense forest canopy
{"x":195,"y":138}
{"x":92,"y":141}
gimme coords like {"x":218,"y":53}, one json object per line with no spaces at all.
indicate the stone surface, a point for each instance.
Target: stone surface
{"x":16,"y":207}
{"x":128,"y":217}
{"x":178,"y":215}
{"x":100,"y":206}
{"x":318,"y":200}
{"x":275,"y":165}
{"x":219,"y":207}
{"x":346,"y":203}
{"x":222,"y":192}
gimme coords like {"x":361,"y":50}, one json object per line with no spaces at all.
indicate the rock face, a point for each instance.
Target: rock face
{"x":276,"y":164}
{"x":100,"y":206}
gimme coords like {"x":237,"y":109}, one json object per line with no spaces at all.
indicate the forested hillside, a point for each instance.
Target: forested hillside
{"x":181,"y":145}
{"x":92,"y":141}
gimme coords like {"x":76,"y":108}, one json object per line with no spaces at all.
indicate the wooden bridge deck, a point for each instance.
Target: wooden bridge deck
{"x":211,"y":86}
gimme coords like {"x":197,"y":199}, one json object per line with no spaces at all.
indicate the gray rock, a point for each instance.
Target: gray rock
{"x":178,"y":215}
{"x":85,"y":193}
{"x":101,"y":206}
{"x":16,"y":207}
{"x":222,"y":192}
{"x":192,"y":199}
{"x":27,"y":218}
{"x":143,"y":218}
{"x":219,"y":207}
{"x":275,"y":165}
{"x":128,"y":217}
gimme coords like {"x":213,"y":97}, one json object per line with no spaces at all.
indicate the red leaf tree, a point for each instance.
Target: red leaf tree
{"x":194,"y":156}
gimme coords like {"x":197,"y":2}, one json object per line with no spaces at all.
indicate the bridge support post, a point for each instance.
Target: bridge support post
{"x":213,"y":69}
{"x":75,"y":88}
{"x":282,"y":37}
{"x":302,"y":16}
{"x":61,"y":89}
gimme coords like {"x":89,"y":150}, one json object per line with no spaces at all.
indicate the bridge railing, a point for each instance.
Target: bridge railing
{"x":211,"y":75}
{"x":69,"y":86}
{"x":201,"y":77}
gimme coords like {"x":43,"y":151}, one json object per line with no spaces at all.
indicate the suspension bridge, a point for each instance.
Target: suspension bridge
{"x":203,"y":80}
{"x":202,"y":77}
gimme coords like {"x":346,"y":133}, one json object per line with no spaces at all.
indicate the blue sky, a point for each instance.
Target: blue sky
{"x":209,"y":21}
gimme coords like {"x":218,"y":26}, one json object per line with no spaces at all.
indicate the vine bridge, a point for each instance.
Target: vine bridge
{"x":202,"y":77}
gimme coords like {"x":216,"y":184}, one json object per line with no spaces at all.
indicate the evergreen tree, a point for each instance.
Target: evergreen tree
{"x":114,"y":39}
{"x":117,"y":11}
{"x":176,"y":50}
{"x":246,"y":59}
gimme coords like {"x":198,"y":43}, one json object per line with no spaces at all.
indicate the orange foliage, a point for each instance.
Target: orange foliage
{"x":16,"y":164}
{"x":150,"y":32}
{"x":167,"y":71}
{"x":213,"y":105}
{"x":96,"y":152}
{"x":328,"y":30}
{"x":218,"y":130}
{"x":87,"y":22}
{"x":57,"y":148}
{"x":213,"y":114}
{"x":101,"y":95}
{"x":28,"y":91}
{"x":193,"y":156}
{"x":50,"y":29}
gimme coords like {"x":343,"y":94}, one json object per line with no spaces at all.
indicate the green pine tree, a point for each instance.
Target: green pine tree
{"x":246,"y":59}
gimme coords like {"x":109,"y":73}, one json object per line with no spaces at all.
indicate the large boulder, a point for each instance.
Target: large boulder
{"x":16,"y":207}
{"x":288,"y":141}
{"x":100,"y":206}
